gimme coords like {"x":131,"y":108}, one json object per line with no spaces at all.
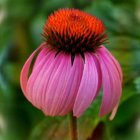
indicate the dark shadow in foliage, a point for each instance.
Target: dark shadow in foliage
{"x":98,"y":132}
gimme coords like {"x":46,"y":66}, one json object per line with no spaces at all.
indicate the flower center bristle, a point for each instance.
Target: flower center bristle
{"x":74,"y":31}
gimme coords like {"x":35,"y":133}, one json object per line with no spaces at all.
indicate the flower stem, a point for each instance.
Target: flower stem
{"x":73,"y":127}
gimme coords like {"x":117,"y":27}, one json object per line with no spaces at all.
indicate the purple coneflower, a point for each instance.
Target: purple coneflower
{"x":66,"y":72}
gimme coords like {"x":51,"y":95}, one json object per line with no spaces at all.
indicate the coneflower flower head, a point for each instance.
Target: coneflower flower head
{"x":71,"y":66}
{"x":74,"y":31}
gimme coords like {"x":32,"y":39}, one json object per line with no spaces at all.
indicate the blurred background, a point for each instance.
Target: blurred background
{"x":21,"y":23}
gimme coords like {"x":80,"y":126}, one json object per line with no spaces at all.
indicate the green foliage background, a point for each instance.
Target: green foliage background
{"x":21,"y":23}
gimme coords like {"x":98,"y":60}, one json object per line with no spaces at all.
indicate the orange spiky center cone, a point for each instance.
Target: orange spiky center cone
{"x":74,"y":31}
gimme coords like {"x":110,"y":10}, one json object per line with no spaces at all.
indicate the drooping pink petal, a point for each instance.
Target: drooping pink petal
{"x":73,"y":81}
{"x":56,"y":85}
{"x":89,"y":85}
{"x":41,"y":55}
{"x":113,"y":113}
{"x":48,"y":76}
{"x":111,"y":82}
{"x":118,"y":67}
{"x":99,"y":76}
{"x":25,"y":70}
{"x":61,"y":89}
{"x":35,"y":82}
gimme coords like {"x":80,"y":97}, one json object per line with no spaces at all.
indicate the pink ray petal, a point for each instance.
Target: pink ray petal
{"x":99,"y":77}
{"x":38,"y":84}
{"x":118,"y":67}
{"x":35,"y":82}
{"x":59,"y":86}
{"x":111,"y":82}
{"x":51,"y":80}
{"x":72,"y":85}
{"x":41,"y":55}
{"x":48,"y":76}
{"x":114,"y":112}
{"x":89,"y":85}
{"x":25,"y":70}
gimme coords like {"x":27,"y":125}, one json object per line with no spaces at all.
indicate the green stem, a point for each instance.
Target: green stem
{"x":73,"y":127}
